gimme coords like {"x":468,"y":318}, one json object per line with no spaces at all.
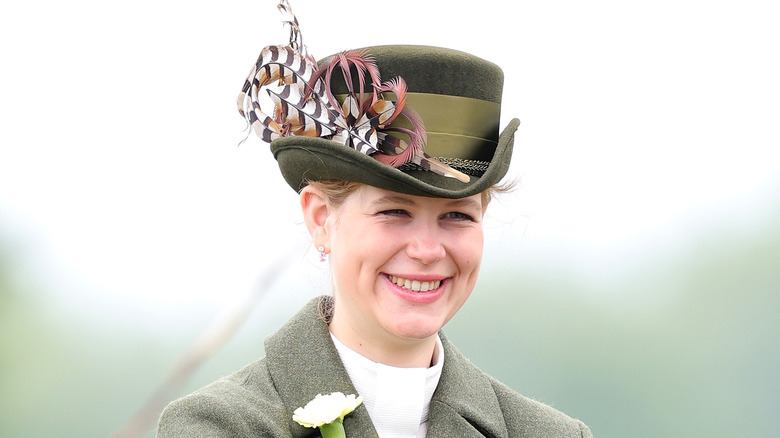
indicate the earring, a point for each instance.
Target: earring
{"x":321,"y":249}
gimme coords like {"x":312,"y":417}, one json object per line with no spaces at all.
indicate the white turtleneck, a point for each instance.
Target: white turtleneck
{"x":397,"y":399}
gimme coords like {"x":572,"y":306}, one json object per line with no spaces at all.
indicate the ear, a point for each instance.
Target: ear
{"x":316,"y":211}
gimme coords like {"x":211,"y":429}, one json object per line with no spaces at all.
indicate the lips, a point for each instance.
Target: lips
{"x":415,"y":285}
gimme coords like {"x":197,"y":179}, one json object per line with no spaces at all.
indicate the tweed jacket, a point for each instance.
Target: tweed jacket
{"x":301,"y":362}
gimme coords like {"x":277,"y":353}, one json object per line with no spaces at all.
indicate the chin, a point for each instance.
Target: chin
{"x":416,"y":329}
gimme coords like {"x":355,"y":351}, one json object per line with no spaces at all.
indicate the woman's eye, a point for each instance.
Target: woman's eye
{"x":394,"y":212}
{"x":458,"y":216}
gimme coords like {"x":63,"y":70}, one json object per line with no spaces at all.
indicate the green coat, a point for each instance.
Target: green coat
{"x":301,"y":362}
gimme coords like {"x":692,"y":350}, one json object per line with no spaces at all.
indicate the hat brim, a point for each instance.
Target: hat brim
{"x":304,"y":159}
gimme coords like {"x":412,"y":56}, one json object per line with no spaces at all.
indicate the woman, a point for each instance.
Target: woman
{"x":403,"y":234}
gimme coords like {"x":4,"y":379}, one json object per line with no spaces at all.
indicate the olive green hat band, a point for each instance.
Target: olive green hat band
{"x":467,"y":129}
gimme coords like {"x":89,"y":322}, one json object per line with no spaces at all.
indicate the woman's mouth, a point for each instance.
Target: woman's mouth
{"x":415,"y":285}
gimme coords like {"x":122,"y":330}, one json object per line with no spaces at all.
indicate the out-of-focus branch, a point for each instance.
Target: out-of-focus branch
{"x":225,"y":325}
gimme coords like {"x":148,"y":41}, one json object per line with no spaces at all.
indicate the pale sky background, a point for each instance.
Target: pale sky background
{"x":124,"y":192}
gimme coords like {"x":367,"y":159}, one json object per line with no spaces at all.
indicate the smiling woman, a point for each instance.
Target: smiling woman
{"x":402,"y":266}
{"x":402,"y":229}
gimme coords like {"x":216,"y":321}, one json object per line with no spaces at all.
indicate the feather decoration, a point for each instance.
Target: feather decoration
{"x":302,"y":103}
{"x":296,"y":38}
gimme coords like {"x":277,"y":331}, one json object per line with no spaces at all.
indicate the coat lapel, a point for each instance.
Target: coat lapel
{"x":464,"y":404}
{"x":303,"y":362}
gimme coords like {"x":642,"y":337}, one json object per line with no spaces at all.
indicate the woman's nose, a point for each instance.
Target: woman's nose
{"x":426,"y":246}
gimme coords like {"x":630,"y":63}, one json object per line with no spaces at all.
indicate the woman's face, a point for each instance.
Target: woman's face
{"x":402,"y":265}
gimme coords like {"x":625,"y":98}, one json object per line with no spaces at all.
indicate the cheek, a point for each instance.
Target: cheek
{"x":355,"y":253}
{"x":470,"y":255}
{"x":473,"y":244}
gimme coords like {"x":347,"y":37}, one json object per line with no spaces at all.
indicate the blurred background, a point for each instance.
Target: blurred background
{"x":632,"y":280}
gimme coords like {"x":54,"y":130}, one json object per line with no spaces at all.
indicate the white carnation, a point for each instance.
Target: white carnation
{"x":325,"y":409}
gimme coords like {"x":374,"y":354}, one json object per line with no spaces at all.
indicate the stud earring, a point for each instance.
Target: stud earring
{"x":321,"y":249}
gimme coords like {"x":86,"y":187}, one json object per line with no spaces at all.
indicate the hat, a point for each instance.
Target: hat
{"x":347,"y":127}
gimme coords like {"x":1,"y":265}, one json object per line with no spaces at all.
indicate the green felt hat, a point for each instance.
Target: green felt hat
{"x":458,"y":97}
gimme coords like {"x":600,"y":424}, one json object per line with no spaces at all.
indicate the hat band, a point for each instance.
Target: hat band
{"x":456,"y":126}
{"x":445,"y":145}
{"x":457,"y":115}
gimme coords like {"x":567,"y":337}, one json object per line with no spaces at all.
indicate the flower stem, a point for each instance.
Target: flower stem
{"x":333,"y":430}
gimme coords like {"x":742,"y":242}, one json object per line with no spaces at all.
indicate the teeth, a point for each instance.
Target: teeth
{"x":415,"y":285}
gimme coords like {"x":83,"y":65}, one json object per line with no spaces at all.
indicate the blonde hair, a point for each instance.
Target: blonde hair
{"x":336,"y":191}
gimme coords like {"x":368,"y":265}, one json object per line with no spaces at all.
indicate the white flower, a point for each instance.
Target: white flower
{"x":325,"y":409}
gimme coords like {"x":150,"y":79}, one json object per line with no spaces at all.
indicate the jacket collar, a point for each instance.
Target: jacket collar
{"x":464,"y":403}
{"x":303,"y":362}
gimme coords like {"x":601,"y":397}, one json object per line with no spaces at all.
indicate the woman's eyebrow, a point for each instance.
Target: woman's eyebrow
{"x":466,"y":202}
{"x":392,"y":199}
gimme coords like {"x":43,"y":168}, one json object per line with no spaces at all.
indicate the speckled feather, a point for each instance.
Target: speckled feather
{"x":298,"y":93}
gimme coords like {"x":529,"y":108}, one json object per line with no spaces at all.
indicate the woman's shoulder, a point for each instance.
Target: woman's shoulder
{"x":244,"y":403}
{"x":535,"y":418}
